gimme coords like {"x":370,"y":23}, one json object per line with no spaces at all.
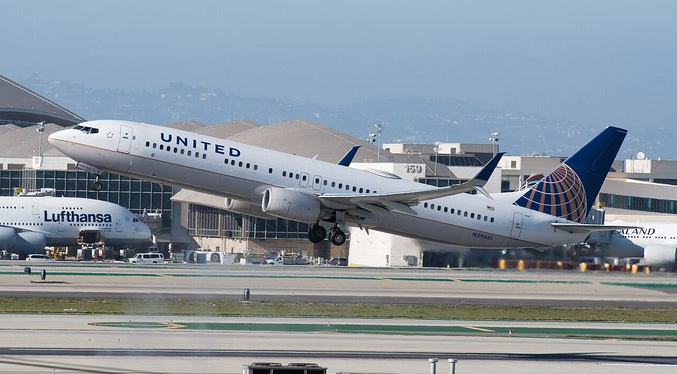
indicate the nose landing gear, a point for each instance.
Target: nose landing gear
{"x":96,"y":185}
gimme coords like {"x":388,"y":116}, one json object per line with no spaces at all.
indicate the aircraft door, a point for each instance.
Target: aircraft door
{"x":125,"y":142}
{"x":317,"y":182}
{"x":118,"y":225}
{"x":516,"y":225}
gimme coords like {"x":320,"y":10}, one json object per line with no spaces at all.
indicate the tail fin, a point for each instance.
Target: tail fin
{"x":570,"y":190}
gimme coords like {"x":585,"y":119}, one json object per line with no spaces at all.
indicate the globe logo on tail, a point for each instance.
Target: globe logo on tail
{"x":560,"y":194}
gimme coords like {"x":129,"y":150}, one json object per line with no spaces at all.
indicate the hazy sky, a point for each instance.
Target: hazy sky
{"x":596,"y":62}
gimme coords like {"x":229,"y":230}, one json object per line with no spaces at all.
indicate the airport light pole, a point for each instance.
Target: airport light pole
{"x":437,"y":151}
{"x":493,"y":138}
{"x":372,"y":139}
{"x":40,"y":130}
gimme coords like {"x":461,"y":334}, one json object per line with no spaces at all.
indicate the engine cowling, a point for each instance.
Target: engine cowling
{"x":660,"y":256}
{"x":290,"y":204}
{"x":7,"y":238}
{"x":245,"y":207}
{"x":25,"y":242}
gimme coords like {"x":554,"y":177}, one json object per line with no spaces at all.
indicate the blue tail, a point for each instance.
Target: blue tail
{"x":570,"y":190}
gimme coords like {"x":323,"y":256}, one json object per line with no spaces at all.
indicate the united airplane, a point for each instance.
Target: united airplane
{"x":29,"y":223}
{"x":270,"y":184}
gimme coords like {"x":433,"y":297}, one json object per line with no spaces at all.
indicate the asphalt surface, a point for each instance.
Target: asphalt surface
{"x":67,"y":343}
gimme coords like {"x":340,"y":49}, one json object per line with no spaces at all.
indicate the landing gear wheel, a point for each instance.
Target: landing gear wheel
{"x":337,"y":237}
{"x":96,"y":186}
{"x":317,"y":233}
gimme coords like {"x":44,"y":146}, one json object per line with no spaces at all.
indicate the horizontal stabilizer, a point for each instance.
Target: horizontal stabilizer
{"x":578,"y":228}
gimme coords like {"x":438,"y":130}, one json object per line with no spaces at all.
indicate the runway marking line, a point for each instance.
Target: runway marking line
{"x":478,"y":329}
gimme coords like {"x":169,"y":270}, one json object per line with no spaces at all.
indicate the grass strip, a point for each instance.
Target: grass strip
{"x":313,"y":309}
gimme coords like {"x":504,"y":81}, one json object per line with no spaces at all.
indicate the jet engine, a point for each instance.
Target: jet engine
{"x":25,"y":242}
{"x":660,"y":256}
{"x":291,"y":204}
{"x":245,"y":207}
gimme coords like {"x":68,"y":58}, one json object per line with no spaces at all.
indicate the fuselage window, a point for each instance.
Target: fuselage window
{"x":451,"y":210}
{"x":492,"y":219}
{"x":304,"y":178}
{"x":465,"y":214}
{"x":183,"y":151}
{"x":361,"y":190}
{"x":239,"y":164}
{"x":232,"y":162}
{"x":270,"y":170}
{"x":204,"y":156}
{"x":169,"y":149}
{"x":197,"y":154}
{"x":225,"y":161}
{"x":317,"y":180}
{"x":256,"y":167}
{"x":347,"y":187}
{"x":188,"y":153}
{"x":291,"y":175}
{"x":367,"y":190}
{"x":354,"y":189}
{"x":176,"y":150}
{"x":479,"y":217}
{"x":284,"y":173}
{"x":439,"y":208}
{"x":248,"y":165}
{"x":472,"y":215}
{"x":325,"y":182}
{"x":297,"y":176}
{"x":162,"y":146}
{"x":340,"y":185}
{"x":333,"y":184}
{"x":147,"y":144}
{"x":154,"y":145}
{"x":446,"y":209}
{"x":425,"y":205}
{"x":432,"y":206}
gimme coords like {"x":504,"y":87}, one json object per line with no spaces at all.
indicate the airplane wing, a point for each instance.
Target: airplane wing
{"x":402,"y":200}
{"x":583,"y":227}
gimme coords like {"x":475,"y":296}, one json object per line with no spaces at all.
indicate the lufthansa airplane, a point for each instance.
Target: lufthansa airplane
{"x":266,"y":183}
{"x":29,"y":223}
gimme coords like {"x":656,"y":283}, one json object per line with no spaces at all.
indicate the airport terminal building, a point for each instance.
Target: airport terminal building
{"x":184,"y":220}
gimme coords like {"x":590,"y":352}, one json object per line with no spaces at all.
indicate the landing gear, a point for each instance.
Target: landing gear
{"x":96,"y":185}
{"x":336,"y":236}
{"x":317,"y":233}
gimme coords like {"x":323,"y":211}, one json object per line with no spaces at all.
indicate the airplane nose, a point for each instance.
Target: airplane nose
{"x":55,"y":137}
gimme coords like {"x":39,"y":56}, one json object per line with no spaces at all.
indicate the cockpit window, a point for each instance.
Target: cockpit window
{"x":86,"y":129}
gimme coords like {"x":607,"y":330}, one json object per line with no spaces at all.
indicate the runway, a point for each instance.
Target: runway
{"x":331,"y":284}
{"x":73,"y":343}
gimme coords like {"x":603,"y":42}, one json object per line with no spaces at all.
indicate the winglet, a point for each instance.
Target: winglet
{"x":483,"y":176}
{"x":348,"y":157}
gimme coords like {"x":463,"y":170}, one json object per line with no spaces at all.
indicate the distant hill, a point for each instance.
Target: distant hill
{"x":407,"y":119}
